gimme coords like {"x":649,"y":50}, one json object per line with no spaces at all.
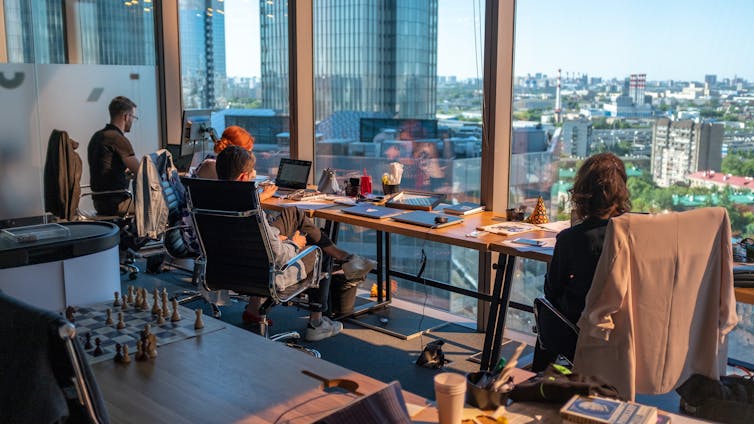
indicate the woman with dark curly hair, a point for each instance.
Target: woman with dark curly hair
{"x":598,"y":194}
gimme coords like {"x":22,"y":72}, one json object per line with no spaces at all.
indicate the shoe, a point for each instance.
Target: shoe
{"x":251,"y":318}
{"x":357,"y":267}
{"x":325,"y":329}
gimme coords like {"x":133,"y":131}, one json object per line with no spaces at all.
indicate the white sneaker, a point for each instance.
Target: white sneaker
{"x":357,"y":267}
{"x":325,"y":329}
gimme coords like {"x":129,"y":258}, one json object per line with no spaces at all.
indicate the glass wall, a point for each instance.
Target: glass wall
{"x":61,"y":74}
{"x":234,"y":62}
{"x":400,"y":82}
{"x":675,"y":105}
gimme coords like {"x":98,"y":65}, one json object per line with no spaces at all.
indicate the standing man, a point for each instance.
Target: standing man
{"x":110,"y":154}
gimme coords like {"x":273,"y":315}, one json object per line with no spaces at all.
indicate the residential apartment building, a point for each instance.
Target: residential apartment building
{"x":680,"y":148}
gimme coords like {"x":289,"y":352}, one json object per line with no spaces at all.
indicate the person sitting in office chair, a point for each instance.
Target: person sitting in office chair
{"x":232,"y":136}
{"x":599,"y":193}
{"x":294,"y":230}
{"x":110,"y":154}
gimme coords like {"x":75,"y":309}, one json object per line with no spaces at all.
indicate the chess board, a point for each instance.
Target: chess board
{"x":91,"y":319}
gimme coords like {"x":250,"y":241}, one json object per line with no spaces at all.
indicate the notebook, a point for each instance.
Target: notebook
{"x":372,"y":211}
{"x":293,"y":174}
{"x":427,"y":219}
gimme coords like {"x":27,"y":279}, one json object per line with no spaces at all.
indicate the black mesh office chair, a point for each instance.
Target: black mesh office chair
{"x":236,"y":247}
{"x":45,"y":376}
{"x":556,"y":335}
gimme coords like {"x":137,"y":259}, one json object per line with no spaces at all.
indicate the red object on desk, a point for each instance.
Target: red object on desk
{"x":365,"y":184}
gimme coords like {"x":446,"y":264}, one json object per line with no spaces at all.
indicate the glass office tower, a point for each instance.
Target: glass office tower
{"x":106,"y":32}
{"x":202,"y":38}
{"x":376,"y":56}
{"x":34,"y":31}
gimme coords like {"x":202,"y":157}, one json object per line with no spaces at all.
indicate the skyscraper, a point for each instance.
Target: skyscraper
{"x":683,"y":147}
{"x":37,"y":37}
{"x":202,"y":37}
{"x":637,"y":87}
{"x":376,"y":56}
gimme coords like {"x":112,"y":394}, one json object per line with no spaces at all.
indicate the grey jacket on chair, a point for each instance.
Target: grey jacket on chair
{"x":151,"y":207}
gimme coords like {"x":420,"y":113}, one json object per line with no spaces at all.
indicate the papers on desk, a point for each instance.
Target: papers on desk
{"x":508,"y":228}
{"x":556,"y":226}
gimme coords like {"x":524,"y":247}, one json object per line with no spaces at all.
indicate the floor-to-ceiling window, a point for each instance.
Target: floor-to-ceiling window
{"x":234,"y":65}
{"x":401,"y":82}
{"x":666,"y":86}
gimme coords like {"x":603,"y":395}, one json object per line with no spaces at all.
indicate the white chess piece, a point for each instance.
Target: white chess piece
{"x":109,"y":319}
{"x":121,"y":324}
{"x":198,"y":324}
{"x":176,"y":316}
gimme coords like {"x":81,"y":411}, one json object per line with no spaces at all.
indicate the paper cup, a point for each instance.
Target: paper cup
{"x":450,"y":392}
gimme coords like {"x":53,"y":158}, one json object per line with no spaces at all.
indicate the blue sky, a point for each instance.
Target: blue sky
{"x":666,"y":39}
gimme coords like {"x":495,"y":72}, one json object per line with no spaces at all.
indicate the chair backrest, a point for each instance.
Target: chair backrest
{"x":45,"y":377}
{"x":232,"y":235}
{"x":555,"y":332}
{"x":661,"y":301}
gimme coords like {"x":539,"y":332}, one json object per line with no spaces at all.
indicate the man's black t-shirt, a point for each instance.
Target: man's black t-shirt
{"x":106,"y":152}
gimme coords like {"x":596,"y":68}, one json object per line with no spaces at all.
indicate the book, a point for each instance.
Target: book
{"x":464,"y":208}
{"x":598,"y":410}
{"x":508,"y":228}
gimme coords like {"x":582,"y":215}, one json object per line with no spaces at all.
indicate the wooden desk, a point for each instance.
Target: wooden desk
{"x":230,"y":375}
{"x":745,"y":295}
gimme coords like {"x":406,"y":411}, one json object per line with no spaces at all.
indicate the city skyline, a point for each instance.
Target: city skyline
{"x":700,"y":39}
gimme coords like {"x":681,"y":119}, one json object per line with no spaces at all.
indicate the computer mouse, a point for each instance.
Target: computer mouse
{"x":439,"y":219}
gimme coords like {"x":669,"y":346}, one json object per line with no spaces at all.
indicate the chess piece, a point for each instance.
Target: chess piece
{"x":118,"y":353}
{"x":176,"y":315}
{"x":164,"y":302}
{"x":144,"y":300}
{"x":126,"y":359}
{"x":151,"y":346}
{"x":161,"y":319}
{"x":539,"y":216}
{"x":146,"y":331}
{"x":124,"y":304}
{"x":109,"y":319}
{"x":98,"y":349}
{"x":116,"y":302}
{"x":69,"y":314}
{"x":131,"y":295}
{"x":88,"y":342}
{"x":140,"y":356}
{"x":156,"y":302}
{"x":121,"y":324}
{"x":198,"y":324}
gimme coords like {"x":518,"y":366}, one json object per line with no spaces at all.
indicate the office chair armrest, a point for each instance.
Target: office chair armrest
{"x":301,"y":255}
{"x":67,"y":332}
{"x":235,"y":214}
{"x":97,"y":193}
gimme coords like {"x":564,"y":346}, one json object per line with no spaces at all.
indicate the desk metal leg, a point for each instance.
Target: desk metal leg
{"x":501,"y":292}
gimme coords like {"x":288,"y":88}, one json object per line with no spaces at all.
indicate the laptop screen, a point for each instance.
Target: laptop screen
{"x":293,"y":173}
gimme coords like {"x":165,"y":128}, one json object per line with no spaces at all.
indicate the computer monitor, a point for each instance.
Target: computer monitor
{"x":197,"y":133}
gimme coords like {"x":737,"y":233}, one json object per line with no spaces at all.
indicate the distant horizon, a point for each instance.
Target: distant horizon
{"x":680,"y":40}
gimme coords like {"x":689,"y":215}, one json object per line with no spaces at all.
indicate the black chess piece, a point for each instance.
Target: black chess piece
{"x":118,"y":353}
{"x":98,"y":350}
{"x":69,"y":314}
{"x":88,"y":342}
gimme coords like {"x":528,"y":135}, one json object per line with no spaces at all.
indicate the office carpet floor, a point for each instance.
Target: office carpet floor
{"x":378,"y":355}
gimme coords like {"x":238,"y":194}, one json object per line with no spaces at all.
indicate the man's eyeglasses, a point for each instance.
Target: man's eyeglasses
{"x":133,"y":115}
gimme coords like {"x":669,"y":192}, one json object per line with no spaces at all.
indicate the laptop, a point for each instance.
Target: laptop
{"x":372,"y":211}
{"x":293,"y":174}
{"x":427,"y":219}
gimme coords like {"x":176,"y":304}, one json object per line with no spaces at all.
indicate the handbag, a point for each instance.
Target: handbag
{"x":328,"y":184}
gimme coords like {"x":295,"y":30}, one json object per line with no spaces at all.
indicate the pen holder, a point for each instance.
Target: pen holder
{"x":352,"y":189}
{"x":478,"y":395}
{"x":390,"y":188}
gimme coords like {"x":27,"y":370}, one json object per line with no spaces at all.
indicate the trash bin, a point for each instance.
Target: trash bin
{"x":342,"y":294}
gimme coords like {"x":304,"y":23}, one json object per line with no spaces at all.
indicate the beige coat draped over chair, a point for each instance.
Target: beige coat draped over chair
{"x":661,"y":302}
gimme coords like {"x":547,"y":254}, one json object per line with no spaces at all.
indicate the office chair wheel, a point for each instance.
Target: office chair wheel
{"x":216,"y":312}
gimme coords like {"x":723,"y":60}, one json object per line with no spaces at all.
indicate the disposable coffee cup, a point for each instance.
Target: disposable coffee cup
{"x":450,"y":392}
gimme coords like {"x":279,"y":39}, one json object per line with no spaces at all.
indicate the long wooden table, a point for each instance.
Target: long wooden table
{"x":230,"y":375}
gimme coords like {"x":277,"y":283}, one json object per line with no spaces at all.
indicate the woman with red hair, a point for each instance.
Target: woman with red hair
{"x":232,"y":136}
